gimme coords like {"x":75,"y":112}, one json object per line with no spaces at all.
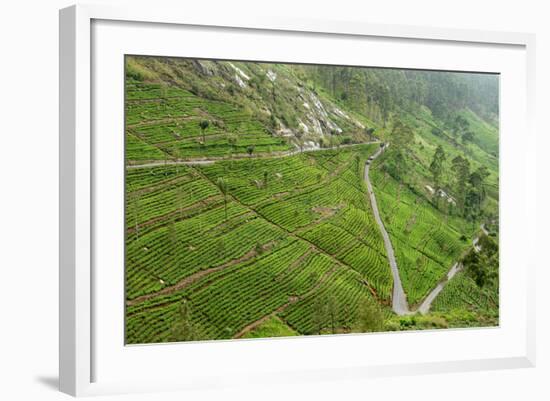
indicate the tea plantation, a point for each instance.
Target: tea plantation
{"x":248,"y":214}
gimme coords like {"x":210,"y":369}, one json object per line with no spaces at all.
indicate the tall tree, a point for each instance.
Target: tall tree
{"x":332,"y":311}
{"x":401,"y":137}
{"x":482,"y":265}
{"x":319,"y":315}
{"x":332,"y":133}
{"x":370,"y":317}
{"x":468,"y":136}
{"x":183,"y":328}
{"x":385,"y":103}
{"x":436,"y":166}
{"x":224,"y":188}
{"x":204,"y":124}
{"x":460,"y":126}
{"x":357,"y":95}
{"x":476,"y":192}
{"x":370,"y":133}
{"x":461,"y":172}
{"x":299,"y":134}
{"x":232,"y":141}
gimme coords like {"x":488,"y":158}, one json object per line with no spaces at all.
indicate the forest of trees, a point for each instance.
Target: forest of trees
{"x":378,"y":92}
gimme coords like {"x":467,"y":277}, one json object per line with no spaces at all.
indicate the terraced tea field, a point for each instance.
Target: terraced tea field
{"x":463,"y":293}
{"x":163,"y":122}
{"x":290,"y":230}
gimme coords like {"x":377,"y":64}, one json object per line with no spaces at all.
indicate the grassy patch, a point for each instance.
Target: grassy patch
{"x":273,"y":327}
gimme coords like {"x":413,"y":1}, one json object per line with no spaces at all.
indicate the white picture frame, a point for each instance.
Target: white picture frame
{"x":80,"y":167}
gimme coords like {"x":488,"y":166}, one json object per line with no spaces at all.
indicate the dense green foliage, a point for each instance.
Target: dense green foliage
{"x":380,"y":92}
{"x":273,"y":327}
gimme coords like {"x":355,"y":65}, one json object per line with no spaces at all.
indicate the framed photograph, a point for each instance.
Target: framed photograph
{"x":271,"y":200}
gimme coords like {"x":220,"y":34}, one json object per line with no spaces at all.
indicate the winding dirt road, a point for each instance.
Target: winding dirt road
{"x":212,"y":160}
{"x":399,"y":299}
{"x":427,"y":302}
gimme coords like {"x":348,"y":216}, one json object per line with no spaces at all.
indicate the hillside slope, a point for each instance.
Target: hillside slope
{"x":243,"y":173}
{"x":268,"y":106}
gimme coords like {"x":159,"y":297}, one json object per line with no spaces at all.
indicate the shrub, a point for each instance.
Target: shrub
{"x":137,"y":71}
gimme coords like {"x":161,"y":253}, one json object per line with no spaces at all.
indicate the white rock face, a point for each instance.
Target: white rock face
{"x":322,"y":115}
{"x":334,"y":126}
{"x":271,"y":75}
{"x":340,"y":113}
{"x":358,"y":124}
{"x":317,"y":117}
{"x":318,"y":105}
{"x":311,"y":145}
{"x":284,"y":131}
{"x":239,"y":71}
{"x":315,"y":123}
{"x":239,"y":81}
